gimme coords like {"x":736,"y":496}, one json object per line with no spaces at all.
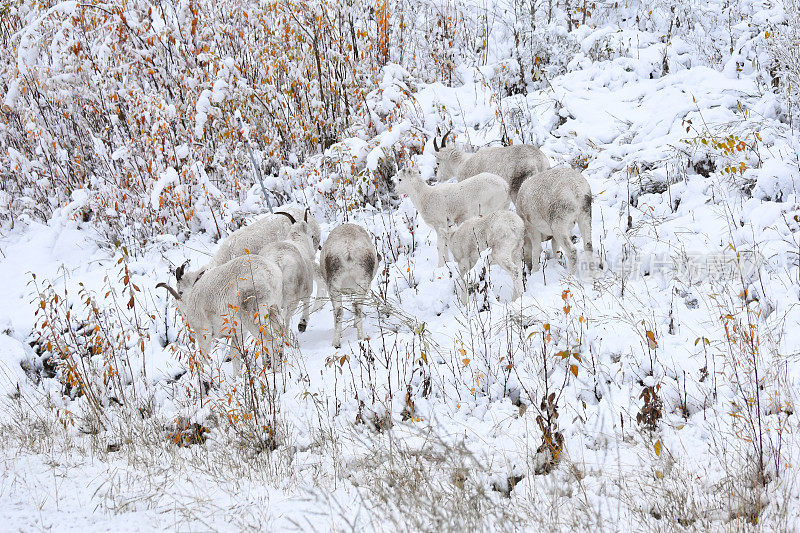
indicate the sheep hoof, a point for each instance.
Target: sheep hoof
{"x":301,"y":327}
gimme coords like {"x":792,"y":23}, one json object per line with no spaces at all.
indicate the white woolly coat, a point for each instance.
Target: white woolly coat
{"x":514,"y":163}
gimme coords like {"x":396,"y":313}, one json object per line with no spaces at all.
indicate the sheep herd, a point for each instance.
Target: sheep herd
{"x":262,"y":272}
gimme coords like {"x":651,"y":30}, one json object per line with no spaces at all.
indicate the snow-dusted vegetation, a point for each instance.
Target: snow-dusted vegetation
{"x":656,"y":391}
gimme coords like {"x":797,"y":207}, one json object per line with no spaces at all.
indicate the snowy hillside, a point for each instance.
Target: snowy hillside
{"x":656,"y":393}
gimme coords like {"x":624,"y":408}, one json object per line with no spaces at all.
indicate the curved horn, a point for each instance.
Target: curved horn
{"x":287,"y":215}
{"x":180,"y":270}
{"x":305,"y":215}
{"x":170,"y":289}
{"x":444,"y":139}
{"x":435,"y":146}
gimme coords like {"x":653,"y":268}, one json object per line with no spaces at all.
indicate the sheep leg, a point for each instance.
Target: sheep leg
{"x":204,"y":342}
{"x":358,"y":313}
{"x":260,"y":328}
{"x":527,"y":245}
{"x":303,"y":324}
{"x":535,"y":247}
{"x":239,"y":323}
{"x":585,"y":227}
{"x":288,"y":313}
{"x":322,"y":290}
{"x":511,"y":266}
{"x":561,"y":239}
{"x":276,"y":328}
{"x":516,"y":261}
{"x":463,"y":289}
{"x":237,"y":354}
{"x":336,"y":301}
{"x":441,"y":246}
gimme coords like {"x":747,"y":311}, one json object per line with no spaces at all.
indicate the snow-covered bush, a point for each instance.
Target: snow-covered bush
{"x":96,"y":347}
{"x":659,"y":395}
{"x":784,"y":48}
{"x":136,"y":105}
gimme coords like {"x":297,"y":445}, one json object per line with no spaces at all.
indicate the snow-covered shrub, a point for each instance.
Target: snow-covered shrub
{"x":758,"y":404}
{"x":783,"y":41}
{"x":137,"y":105}
{"x":123,"y":118}
{"x":96,"y":347}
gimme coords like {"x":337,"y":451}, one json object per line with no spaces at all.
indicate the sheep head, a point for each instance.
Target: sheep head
{"x":189,"y":280}
{"x":301,"y":233}
{"x":448,"y":159}
{"x":179,"y":274}
{"x":436,"y":147}
{"x":186,"y":280}
{"x":405,"y":180}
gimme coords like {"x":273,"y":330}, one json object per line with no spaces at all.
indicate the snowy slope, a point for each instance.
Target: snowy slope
{"x":439,"y":421}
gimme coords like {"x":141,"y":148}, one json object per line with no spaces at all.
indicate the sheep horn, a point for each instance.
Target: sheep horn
{"x":170,"y":289}
{"x":435,"y":146}
{"x":305,"y":215}
{"x":179,"y":271}
{"x":287,"y":215}
{"x":444,"y":139}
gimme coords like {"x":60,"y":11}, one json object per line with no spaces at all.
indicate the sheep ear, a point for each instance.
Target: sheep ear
{"x":180,"y":270}
{"x":444,"y":139}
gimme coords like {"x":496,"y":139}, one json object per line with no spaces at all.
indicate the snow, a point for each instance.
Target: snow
{"x":698,"y":265}
{"x":204,"y":109}
{"x":170,"y":177}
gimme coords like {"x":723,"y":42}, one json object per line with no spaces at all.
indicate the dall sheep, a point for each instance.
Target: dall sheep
{"x":513,"y":163}
{"x":550,"y":203}
{"x":502,"y":231}
{"x":244,"y":294}
{"x":449,"y":204}
{"x":295,"y":257}
{"x":348,"y":264}
{"x":255,"y":237}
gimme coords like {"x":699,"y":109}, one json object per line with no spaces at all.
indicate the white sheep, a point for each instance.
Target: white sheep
{"x":295,"y":257}
{"x":502,"y":231}
{"x":449,"y":204}
{"x":513,"y":163}
{"x":244,"y":294}
{"x":254,"y":238}
{"x":348,"y":264}
{"x":550,"y":203}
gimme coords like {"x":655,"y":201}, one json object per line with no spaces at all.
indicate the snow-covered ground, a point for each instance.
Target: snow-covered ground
{"x":657,"y":394}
